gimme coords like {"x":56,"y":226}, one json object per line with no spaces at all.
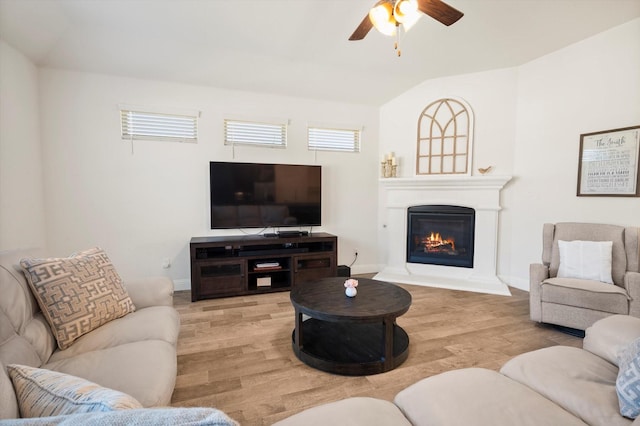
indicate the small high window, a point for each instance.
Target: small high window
{"x":237,"y":132}
{"x":143,"y":125}
{"x":328,"y":139}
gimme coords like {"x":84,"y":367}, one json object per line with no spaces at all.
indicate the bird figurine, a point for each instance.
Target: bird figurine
{"x":485,"y":170}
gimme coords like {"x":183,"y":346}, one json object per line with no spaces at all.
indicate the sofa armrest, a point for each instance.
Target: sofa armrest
{"x":537,"y":273}
{"x":152,"y":291}
{"x":608,"y":335}
{"x":350,"y":411}
{"x":632,"y":285}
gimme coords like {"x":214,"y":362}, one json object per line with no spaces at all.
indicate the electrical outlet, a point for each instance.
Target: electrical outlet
{"x":166,"y":263}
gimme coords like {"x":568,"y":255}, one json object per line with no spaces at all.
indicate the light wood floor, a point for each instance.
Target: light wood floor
{"x":235,"y":353}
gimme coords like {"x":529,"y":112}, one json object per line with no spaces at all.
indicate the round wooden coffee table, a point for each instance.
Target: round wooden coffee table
{"x":350,"y":335}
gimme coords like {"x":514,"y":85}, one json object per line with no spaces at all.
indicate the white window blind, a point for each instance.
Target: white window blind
{"x":325,"y":139}
{"x":139,"y":125}
{"x":253,"y":133}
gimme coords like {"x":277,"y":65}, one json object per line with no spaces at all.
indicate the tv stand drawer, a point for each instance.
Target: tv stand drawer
{"x":217,"y":278}
{"x":221,"y":286}
{"x":311,"y":268}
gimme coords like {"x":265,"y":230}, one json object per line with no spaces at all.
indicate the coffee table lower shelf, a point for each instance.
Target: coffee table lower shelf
{"x":347,"y":348}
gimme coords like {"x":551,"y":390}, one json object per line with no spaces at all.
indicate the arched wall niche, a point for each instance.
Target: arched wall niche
{"x":445,"y":138}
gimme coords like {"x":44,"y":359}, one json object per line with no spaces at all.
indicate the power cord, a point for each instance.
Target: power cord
{"x":355,"y":257}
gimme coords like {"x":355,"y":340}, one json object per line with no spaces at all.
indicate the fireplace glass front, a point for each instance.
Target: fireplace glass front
{"x":440,"y":235}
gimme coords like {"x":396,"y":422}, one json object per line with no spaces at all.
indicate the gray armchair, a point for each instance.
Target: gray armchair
{"x":577,"y":302}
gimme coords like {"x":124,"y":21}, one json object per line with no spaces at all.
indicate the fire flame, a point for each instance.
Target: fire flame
{"x":434,"y":241}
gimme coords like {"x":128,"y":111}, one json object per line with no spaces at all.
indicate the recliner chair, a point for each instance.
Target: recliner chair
{"x":576,"y":302}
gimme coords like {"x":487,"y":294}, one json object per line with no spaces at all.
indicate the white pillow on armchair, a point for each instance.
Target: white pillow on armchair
{"x":587,"y":260}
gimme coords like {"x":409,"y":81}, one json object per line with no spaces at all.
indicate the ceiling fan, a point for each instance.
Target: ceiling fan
{"x":388,"y":15}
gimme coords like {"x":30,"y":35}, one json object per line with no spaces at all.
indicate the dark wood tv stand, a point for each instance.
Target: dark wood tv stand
{"x":251,"y":264}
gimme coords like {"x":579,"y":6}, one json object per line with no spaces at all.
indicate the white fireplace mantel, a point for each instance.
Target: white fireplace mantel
{"x":481,"y":193}
{"x":448,"y":181}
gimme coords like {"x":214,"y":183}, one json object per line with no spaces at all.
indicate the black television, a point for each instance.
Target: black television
{"x":258,"y":195}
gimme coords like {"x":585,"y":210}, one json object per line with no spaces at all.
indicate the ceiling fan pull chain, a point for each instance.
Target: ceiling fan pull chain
{"x":397,"y":43}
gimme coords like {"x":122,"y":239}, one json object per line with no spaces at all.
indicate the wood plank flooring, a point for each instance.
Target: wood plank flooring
{"x":235,"y":353}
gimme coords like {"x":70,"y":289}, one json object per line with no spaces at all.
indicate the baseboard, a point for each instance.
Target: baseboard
{"x":179,"y":285}
{"x":515,"y":282}
{"x":519,"y":283}
{"x":364,"y":269}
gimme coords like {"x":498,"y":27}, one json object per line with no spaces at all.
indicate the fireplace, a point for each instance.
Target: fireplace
{"x":440,"y":235}
{"x":480,"y":193}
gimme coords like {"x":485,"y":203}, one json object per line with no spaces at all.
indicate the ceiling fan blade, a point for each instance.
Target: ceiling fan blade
{"x":362,"y":30}
{"x":440,"y":11}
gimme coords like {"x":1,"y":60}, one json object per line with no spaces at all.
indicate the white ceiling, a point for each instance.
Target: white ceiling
{"x":294,"y":47}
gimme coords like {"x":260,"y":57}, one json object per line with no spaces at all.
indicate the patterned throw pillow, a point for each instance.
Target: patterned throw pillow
{"x":77,"y":294}
{"x":43,"y":393}
{"x":628,"y":381}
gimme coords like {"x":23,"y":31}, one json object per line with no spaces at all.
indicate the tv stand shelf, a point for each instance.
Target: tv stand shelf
{"x":230,"y":266}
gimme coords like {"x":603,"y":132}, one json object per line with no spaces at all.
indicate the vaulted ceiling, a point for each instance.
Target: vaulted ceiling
{"x":294,"y":47}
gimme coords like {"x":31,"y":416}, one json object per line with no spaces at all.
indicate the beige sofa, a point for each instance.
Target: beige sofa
{"x":553,"y":386}
{"x":135,"y":354}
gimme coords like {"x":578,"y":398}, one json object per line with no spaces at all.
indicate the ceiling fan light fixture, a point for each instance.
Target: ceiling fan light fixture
{"x":390,"y":17}
{"x":405,"y":10}
{"x":407,"y":13}
{"x":381,"y":16}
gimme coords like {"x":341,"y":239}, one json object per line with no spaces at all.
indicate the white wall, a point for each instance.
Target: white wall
{"x":21,"y":198}
{"x":144,"y":207}
{"x":142,"y":204}
{"x":590,"y":86}
{"x":492,"y":97}
{"x":528,"y":122}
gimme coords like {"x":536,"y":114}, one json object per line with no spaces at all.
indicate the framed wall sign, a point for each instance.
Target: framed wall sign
{"x":608,"y":163}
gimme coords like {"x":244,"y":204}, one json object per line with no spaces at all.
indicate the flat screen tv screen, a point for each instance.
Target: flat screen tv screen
{"x":253,"y":195}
